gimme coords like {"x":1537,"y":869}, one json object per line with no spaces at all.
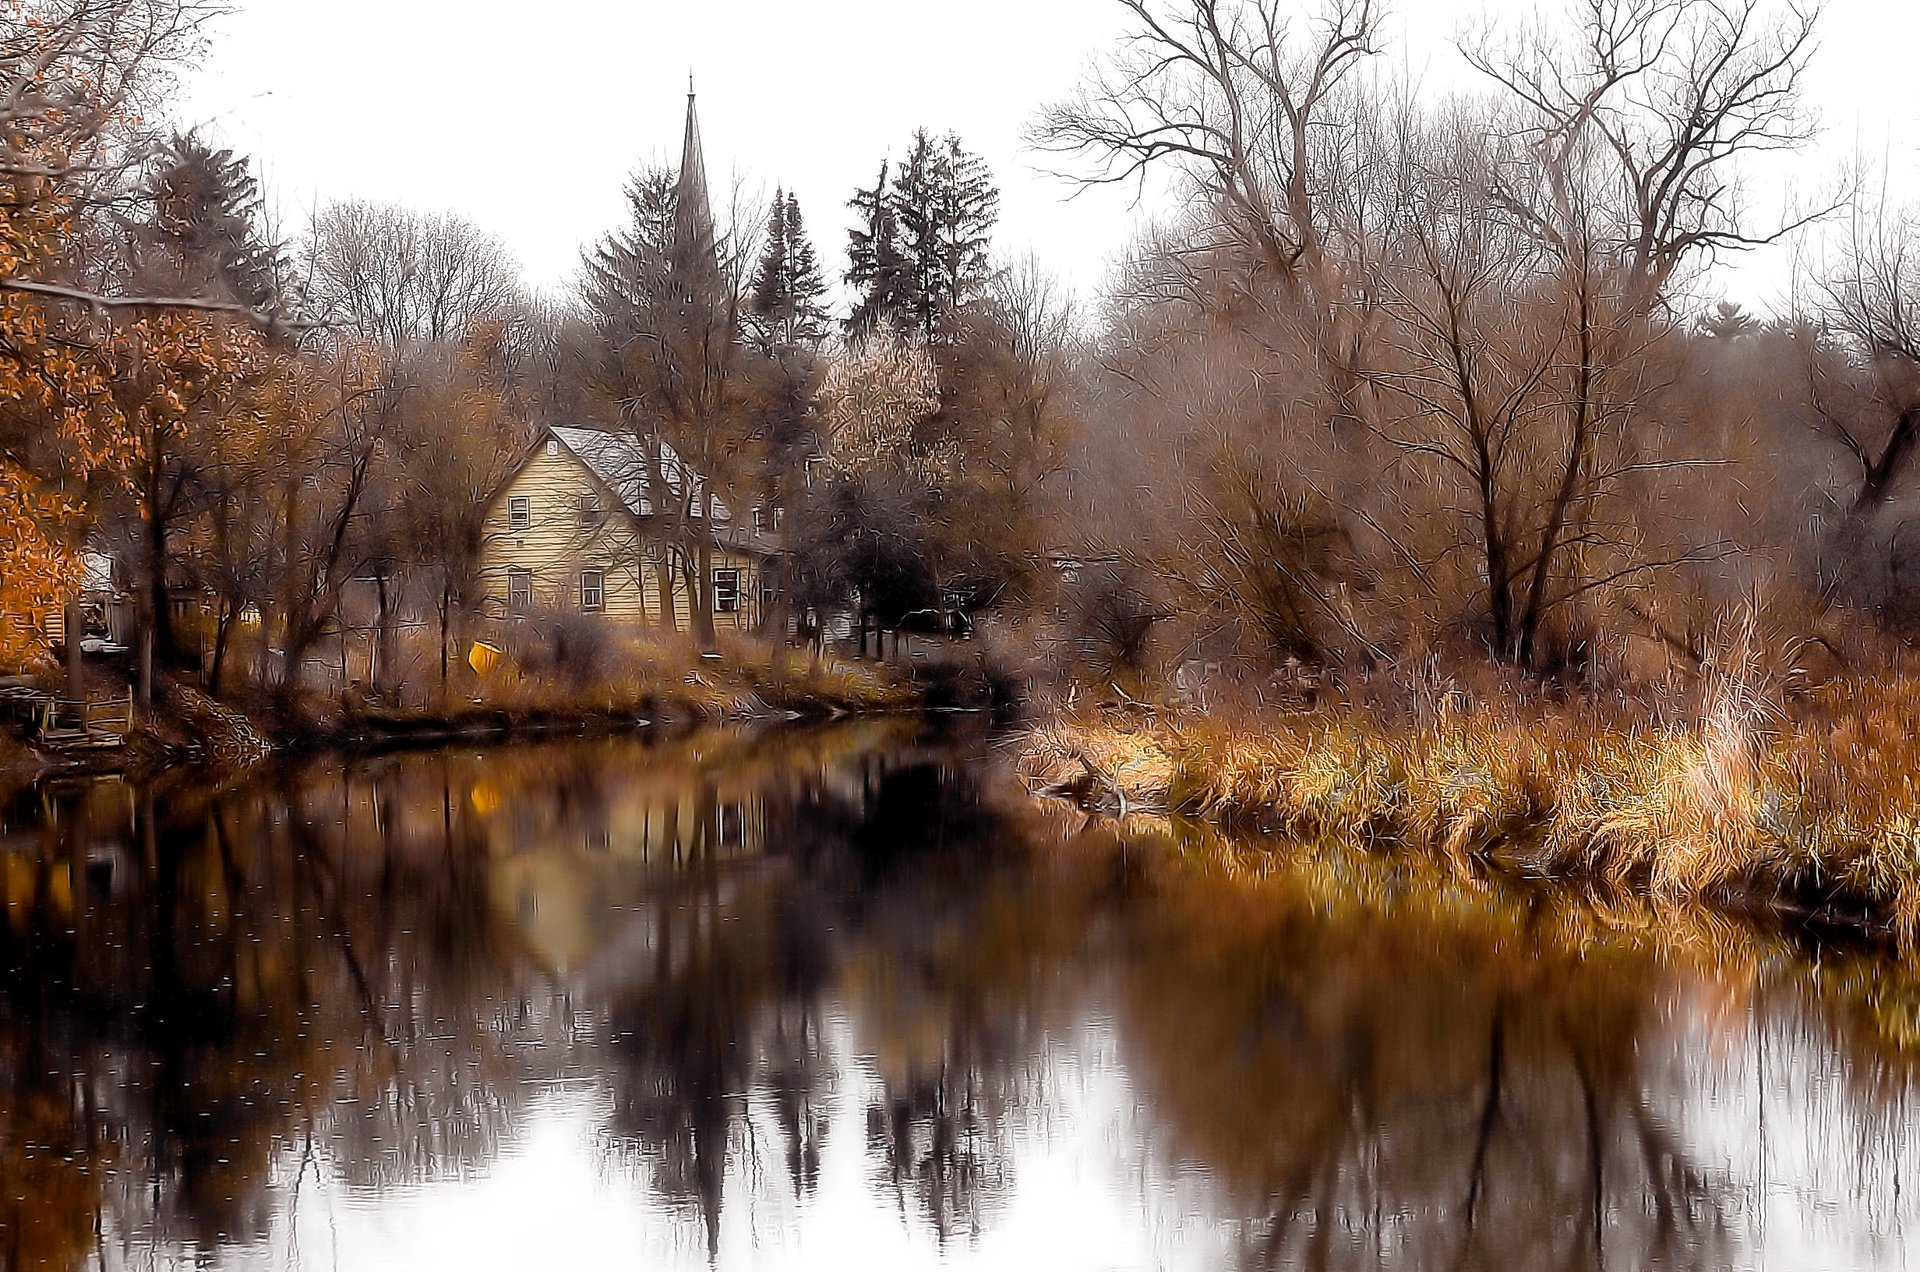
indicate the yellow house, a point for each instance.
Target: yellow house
{"x":587,"y":524}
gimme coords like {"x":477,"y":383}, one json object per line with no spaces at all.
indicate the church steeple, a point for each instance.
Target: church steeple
{"x":693,"y":233}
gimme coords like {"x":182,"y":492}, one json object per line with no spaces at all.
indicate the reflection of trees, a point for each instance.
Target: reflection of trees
{"x":200,"y":988}
{"x":1397,"y":1075}
{"x":718,"y":1042}
{"x":367,"y":971}
{"x":950,"y":983}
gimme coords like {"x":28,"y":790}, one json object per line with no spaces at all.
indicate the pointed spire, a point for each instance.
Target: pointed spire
{"x":693,"y":212}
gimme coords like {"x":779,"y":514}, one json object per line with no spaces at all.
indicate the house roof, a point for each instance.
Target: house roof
{"x":621,"y":464}
{"x":620,"y":461}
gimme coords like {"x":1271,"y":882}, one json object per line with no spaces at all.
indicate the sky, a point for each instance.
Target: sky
{"x":527,"y":118}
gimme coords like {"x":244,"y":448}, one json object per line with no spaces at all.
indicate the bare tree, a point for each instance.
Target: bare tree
{"x":1647,"y":118}
{"x":1235,"y":96}
{"x":404,"y":279}
{"x":1873,"y":307}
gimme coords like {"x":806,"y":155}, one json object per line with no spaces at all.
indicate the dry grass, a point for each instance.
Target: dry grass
{"x":1737,"y":789}
{"x":668,"y":677}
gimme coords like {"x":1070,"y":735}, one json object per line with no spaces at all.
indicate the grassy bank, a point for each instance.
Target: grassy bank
{"x":636,"y":680}
{"x":623,"y":686}
{"x":1803,"y":800}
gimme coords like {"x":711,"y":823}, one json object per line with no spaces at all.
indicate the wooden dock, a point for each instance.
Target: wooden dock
{"x":86,"y":724}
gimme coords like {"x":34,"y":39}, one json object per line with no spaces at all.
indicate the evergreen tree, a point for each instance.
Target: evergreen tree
{"x":770,"y":299}
{"x":921,"y":253}
{"x":875,"y":266}
{"x":916,"y":199}
{"x":207,"y":219}
{"x":785,"y":309}
{"x":625,"y":281}
{"x":967,"y":205}
{"x":806,"y":285}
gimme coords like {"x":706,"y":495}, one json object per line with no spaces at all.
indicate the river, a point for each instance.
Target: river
{"x":846,"y":998}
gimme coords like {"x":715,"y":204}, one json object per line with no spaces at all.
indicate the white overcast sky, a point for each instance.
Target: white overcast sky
{"x":527,"y":117}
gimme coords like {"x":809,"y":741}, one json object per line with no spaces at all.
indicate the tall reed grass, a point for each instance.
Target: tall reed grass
{"x":1741,"y":788}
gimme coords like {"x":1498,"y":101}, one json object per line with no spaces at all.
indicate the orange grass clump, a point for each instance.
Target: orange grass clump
{"x":1812,"y":799}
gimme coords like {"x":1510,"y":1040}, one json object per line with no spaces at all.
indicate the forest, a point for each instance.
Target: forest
{"x":1407,"y":408}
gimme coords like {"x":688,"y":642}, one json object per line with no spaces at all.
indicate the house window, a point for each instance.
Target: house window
{"x":726,"y":591}
{"x":519,"y":590}
{"x":589,"y":508}
{"x":593,"y":590}
{"x":759,"y":517}
{"x":519,"y":512}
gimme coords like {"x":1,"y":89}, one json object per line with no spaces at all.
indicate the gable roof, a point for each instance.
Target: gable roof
{"x":620,"y":462}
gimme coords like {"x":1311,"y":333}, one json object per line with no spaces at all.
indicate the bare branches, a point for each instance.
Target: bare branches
{"x":407,"y":279}
{"x":98,"y":300}
{"x":1644,"y":120}
{"x":76,"y":74}
{"x":1232,"y":96}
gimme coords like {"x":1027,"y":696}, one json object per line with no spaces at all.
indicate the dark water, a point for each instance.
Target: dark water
{"x":844,"y":1000}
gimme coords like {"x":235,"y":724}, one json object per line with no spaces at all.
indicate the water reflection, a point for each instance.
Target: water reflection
{"x":840,"y":999}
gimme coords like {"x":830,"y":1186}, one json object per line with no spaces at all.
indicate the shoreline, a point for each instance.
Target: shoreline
{"x":192,"y":732}
{"x":1807,"y":819}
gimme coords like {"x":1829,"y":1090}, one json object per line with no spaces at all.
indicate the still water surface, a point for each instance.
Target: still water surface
{"x":845,"y":999}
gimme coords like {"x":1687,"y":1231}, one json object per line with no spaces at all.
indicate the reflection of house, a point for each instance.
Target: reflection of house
{"x":587,"y":524}
{"x":581,"y":873}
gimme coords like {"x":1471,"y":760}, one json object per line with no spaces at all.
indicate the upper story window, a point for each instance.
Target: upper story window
{"x":593,"y":590}
{"x":759,"y":517}
{"x":589,"y":508}
{"x":519,"y":512}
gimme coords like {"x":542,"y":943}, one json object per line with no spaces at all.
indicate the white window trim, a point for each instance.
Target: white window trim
{"x":519,"y":512}
{"x":519,"y":581}
{"x":599,"y":591}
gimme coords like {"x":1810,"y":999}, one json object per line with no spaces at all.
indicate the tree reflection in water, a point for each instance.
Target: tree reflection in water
{"x":765,"y":955}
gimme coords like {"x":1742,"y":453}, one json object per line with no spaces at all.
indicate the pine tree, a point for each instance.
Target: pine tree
{"x":916,"y":199}
{"x":921,"y":255}
{"x":206,"y":215}
{"x":875,"y":266}
{"x":784,"y":310}
{"x":770,"y":298}
{"x":805,"y":284}
{"x":968,"y":206}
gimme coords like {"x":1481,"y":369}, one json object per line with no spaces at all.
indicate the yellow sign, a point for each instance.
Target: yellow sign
{"x":483,"y":658}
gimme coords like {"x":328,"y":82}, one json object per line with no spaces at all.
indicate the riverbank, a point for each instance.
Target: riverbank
{"x":648,"y":684}
{"x":1801,"y":804}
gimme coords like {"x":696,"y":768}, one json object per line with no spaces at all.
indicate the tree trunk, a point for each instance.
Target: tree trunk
{"x":701,"y":600}
{"x":446,"y":621}
{"x":159,"y":614}
{"x":382,"y":634}
{"x":76,"y":625}
{"x":220,"y":636}
{"x":669,"y":612}
{"x":146,"y":663}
